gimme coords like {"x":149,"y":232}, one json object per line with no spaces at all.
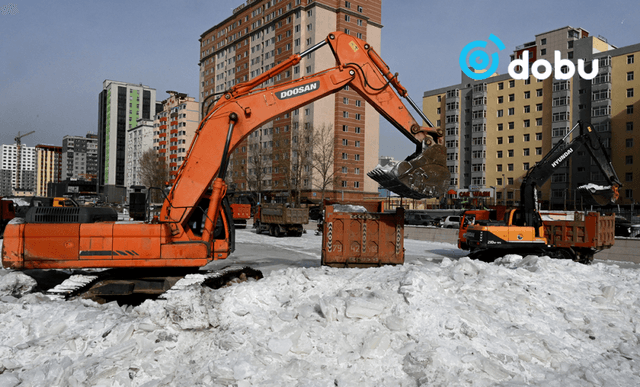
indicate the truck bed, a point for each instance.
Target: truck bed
{"x":590,"y":230}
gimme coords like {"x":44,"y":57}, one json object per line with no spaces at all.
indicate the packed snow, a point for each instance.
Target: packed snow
{"x":440,"y":319}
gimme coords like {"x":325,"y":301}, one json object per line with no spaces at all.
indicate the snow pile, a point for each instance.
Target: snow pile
{"x":518,"y":321}
{"x":348,"y":208}
{"x":595,"y":187}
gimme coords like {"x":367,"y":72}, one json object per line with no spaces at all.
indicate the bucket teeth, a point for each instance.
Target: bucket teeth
{"x":601,"y":196}
{"x":423,"y":176}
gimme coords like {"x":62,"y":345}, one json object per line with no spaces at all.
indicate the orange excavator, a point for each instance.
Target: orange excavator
{"x":195,"y":225}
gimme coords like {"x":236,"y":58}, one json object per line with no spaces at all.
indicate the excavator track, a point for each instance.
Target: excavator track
{"x":133,"y":286}
{"x":423,"y":176}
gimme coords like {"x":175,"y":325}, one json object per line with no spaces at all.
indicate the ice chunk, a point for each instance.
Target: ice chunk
{"x":9,"y":379}
{"x":395,"y":323}
{"x":362,"y":308}
{"x":375,"y":346}
{"x":16,"y":284}
{"x":280,"y":346}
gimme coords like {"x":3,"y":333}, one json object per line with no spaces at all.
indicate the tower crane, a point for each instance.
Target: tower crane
{"x":18,"y":141}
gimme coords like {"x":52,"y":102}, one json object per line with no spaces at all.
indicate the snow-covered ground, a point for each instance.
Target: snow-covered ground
{"x":441,"y":319}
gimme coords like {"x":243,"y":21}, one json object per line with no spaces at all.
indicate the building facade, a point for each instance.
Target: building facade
{"x":278,"y":158}
{"x":17,"y":176}
{"x":80,"y":157}
{"x":120,"y":105}
{"x":48,"y":167}
{"x":498,"y":128}
{"x":174,"y":127}
{"x":139,"y":140}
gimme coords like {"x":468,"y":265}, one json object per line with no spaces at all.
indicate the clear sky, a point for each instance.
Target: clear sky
{"x":54,"y":55}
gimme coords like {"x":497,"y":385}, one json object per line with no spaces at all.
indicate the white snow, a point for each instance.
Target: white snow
{"x":440,"y":319}
{"x":595,"y":187}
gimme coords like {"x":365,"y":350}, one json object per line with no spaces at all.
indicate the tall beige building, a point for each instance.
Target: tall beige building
{"x":498,"y":128}
{"x":275,"y":159}
{"x":48,"y":167}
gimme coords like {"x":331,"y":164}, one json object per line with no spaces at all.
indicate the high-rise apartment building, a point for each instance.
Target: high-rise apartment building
{"x":48,"y":167}
{"x":277,"y":158}
{"x":120,"y":105}
{"x":173,"y":129}
{"x":80,"y":157}
{"x":498,"y":128}
{"x":9,"y":169}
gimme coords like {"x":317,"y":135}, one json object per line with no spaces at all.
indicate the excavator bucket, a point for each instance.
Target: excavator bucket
{"x":592,"y":194}
{"x":422,"y":175}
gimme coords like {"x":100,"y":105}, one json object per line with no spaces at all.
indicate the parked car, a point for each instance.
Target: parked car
{"x":315,"y":213}
{"x":623,"y":227}
{"x":417,"y":219}
{"x":451,"y":222}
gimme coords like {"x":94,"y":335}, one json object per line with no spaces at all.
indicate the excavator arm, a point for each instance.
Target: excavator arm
{"x":245,"y":107}
{"x":560,"y":152}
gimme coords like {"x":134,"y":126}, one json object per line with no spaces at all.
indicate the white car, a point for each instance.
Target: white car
{"x":451,"y":222}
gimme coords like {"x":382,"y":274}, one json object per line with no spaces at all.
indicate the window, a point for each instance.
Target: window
{"x":500,"y":86}
{"x":525,"y":152}
{"x":345,"y":101}
{"x":499,"y":182}
{"x":499,"y":168}
{"x":543,"y":51}
{"x":629,"y":93}
{"x":500,"y":114}
{"x":499,"y":154}
{"x":629,"y":109}
{"x":511,"y":125}
{"x":510,"y":152}
{"x":345,"y":170}
{"x":628,"y":160}
{"x":347,"y":4}
{"x":358,"y":116}
{"x":511,"y":139}
{"x":512,"y":83}
{"x":344,"y":183}
{"x":345,"y":142}
{"x":629,"y":126}
{"x":345,"y":156}
{"x":538,"y":136}
{"x":499,"y":140}
{"x":509,"y":167}
{"x":543,"y":41}
{"x":511,"y":111}
{"x":630,"y":76}
{"x":527,"y":109}
{"x":512,"y":97}
{"x":539,"y":93}
{"x":629,"y":143}
{"x":345,"y":128}
{"x":526,"y":137}
{"x":360,"y":9}
{"x":538,"y":151}
{"x":630,"y":59}
{"x":510,"y":182}
{"x":499,"y":127}
{"x":538,"y":121}
{"x":356,"y":157}
{"x":345,"y":114}
{"x":628,"y":176}
{"x":527,"y":123}
{"x":538,"y":107}
{"x":500,"y":99}
{"x":347,"y":18}
{"x":356,"y":184}
{"x":628,"y":193}
{"x":357,"y":129}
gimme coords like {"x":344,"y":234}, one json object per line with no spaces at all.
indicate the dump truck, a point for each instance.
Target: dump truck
{"x":280,"y":219}
{"x":241,"y":212}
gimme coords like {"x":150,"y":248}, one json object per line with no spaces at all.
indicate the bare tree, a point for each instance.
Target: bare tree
{"x":153,"y":173}
{"x":256,"y":169}
{"x":323,"y":158}
{"x":297,"y":176}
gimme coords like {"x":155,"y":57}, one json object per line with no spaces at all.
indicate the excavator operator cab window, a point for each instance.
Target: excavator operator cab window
{"x":518,"y":219}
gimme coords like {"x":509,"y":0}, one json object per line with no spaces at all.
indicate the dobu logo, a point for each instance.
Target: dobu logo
{"x":479,"y":60}
{"x":559,"y":63}
{"x":519,"y":68}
